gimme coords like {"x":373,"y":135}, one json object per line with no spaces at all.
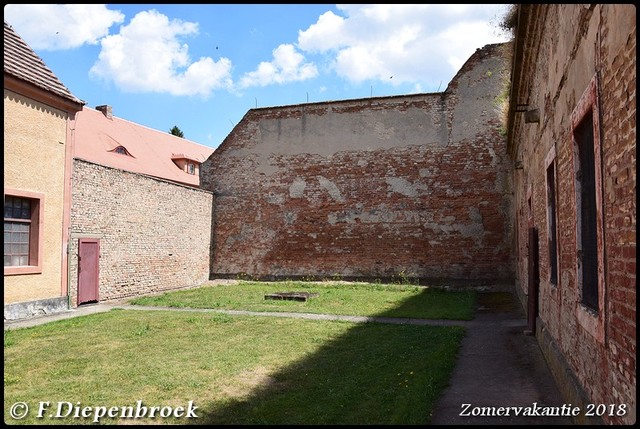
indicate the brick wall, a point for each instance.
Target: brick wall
{"x":154,"y":235}
{"x":580,"y":42}
{"x":412,"y":185}
{"x":618,"y":98}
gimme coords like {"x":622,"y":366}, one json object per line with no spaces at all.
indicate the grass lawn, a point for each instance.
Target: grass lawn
{"x":356,"y":299}
{"x":235,"y":369}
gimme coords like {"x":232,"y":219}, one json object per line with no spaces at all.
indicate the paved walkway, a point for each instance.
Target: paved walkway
{"x":98,"y":308}
{"x":499,"y":368}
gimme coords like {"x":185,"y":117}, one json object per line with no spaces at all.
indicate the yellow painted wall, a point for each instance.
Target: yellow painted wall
{"x":34,"y":150}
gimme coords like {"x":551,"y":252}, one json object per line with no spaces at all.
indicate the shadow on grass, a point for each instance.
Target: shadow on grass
{"x":373,"y":374}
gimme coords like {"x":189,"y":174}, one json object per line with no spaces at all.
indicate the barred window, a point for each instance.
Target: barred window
{"x":588,"y":253}
{"x":552,"y":228}
{"x":22,"y":232}
{"x":17,"y":228}
{"x":585,"y":130}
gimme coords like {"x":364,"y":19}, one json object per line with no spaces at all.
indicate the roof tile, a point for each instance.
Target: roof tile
{"x":23,"y":63}
{"x":152,"y":151}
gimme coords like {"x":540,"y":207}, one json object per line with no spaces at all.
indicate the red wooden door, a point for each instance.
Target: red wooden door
{"x":88,"y":270}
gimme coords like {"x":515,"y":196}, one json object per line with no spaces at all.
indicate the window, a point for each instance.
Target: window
{"x":17,"y":224}
{"x":585,"y":123}
{"x":552,"y":227}
{"x":22,"y":232}
{"x":586,"y":196}
{"x":121,"y":150}
{"x":191,"y":168}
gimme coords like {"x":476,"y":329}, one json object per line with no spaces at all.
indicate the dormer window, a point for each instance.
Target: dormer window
{"x":186,"y":163}
{"x":121,"y":150}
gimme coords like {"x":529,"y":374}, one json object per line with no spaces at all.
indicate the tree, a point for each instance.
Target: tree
{"x":176,"y":131}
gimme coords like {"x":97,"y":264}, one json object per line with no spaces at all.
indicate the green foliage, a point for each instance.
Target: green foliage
{"x":176,"y":131}
{"x":405,"y":278}
{"x":502,"y":100}
{"x":8,"y":339}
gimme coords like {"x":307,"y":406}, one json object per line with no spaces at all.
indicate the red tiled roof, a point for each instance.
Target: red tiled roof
{"x":151,"y":150}
{"x":22,"y":62}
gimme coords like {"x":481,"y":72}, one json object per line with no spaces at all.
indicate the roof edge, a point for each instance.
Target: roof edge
{"x":34,"y":92}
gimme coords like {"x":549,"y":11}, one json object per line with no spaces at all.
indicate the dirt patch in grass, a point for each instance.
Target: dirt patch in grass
{"x":249,"y":381}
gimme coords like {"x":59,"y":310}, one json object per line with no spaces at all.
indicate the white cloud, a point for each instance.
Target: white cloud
{"x":287,"y":66}
{"x":413,"y":43}
{"x":147,"y":56}
{"x":327,"y":33}
{"x":61,"y":26}
{"x":421,"y":45}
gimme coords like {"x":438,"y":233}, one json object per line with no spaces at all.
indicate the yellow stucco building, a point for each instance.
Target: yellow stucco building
{"x":39,"y":113}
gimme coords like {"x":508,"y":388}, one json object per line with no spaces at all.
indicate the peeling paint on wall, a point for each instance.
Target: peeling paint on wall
{"x":369,"y":187}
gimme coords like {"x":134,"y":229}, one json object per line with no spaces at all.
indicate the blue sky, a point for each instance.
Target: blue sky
{"x":202,"y":67}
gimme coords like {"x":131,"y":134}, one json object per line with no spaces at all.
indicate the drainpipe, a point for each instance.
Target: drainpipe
{"x":68,"y":273}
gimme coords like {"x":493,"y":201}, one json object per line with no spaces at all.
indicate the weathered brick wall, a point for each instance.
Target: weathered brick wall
{"x":412,"y":185}
{"x":618,"y":97}
{"x":569,"y":44}
{"x":154,"y":235}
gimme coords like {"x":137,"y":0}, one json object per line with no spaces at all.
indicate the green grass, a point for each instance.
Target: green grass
{"x":358,"y":299}
{"x":236,"y":369}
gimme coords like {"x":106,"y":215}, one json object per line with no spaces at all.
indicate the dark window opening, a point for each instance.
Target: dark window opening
{"x":551,"y":207}
{"x":587,"y":211}
{"x":122,"y":151}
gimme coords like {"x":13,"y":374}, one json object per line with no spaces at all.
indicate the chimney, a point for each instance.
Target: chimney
{"x":106,"y":110}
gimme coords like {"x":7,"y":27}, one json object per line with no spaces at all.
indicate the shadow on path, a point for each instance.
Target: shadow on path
{"x":499,"y":366}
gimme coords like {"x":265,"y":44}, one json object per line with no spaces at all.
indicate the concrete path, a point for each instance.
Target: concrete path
{"x":499,"y":370}
{"x":97,"y":308}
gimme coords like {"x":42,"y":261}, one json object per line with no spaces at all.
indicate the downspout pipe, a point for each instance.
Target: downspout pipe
{"x":68,"y":274}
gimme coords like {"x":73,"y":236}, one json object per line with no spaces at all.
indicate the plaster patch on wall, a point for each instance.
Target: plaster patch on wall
{"x":425,"y":172}
{"x":240,"y":236}
{"x":475,"y":215}
{"x":402,"y":186}
{"x":290,"y":218}
{"x":495,"y":160}
{"x":331,"y":188}
{"x":379,"y":215}
{"x":277,"y":199}
{"x":265,"y":167}
{"x":296,"y":189}
{"x":382,"y":132}
{"x":474,"y":231}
